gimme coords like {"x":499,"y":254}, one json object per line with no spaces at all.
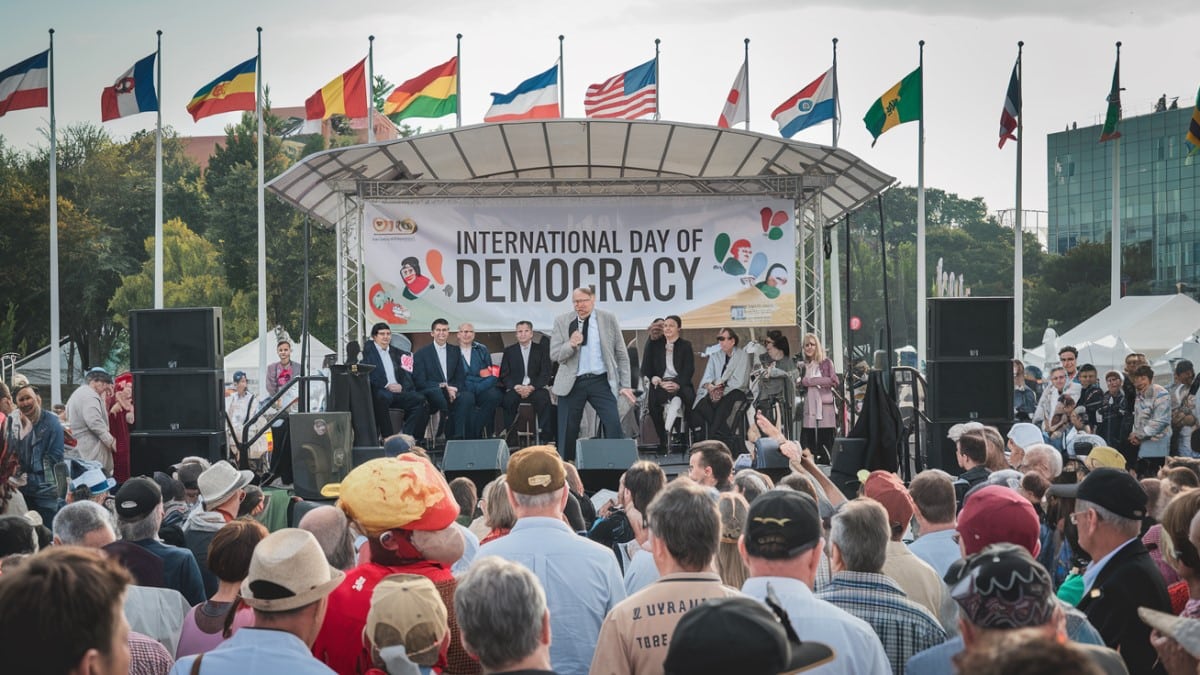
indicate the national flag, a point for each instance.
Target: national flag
{"x":26,"y":85}
{"x":1113,"y":117}
{"x":345,"y":95}
{"x":1012,"y":107}
{"x":433,"y":93}
{"x":1193,"y":134}
{"x":132,"y":93}
{"x":900,"y":104}
{"x":232,"y":90}
{"x":535,"y":98}
{"x":737,"y":104}
{"x":629,"y":95}
{"x":811,"y":105}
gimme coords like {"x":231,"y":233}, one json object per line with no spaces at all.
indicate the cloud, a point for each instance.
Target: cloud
{"x":1096,"y":12}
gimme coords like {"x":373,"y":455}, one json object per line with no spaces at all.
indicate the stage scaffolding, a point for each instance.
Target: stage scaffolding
{"x":549,"y":159}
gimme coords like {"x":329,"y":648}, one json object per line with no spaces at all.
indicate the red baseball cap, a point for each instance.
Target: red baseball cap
{"x":996,"y":514}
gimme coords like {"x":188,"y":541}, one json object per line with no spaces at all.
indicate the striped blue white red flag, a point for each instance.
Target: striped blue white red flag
{"x":132,"y":93}
{"x":535,"y":98}
{"x":26,"y":85}
{"x":629,"y":95}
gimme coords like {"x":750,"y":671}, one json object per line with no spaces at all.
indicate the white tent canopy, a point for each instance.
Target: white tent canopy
{"x":1151,"y":324}
{"x":245,"y":358}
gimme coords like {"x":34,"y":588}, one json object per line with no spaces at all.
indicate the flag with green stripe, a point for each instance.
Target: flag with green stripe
{"x":900,"y":104}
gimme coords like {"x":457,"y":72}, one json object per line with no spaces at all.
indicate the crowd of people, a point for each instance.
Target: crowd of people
{"x":1070,"y":543}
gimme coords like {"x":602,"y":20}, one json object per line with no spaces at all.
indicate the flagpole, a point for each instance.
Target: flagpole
{"x":835,"y":254}
{"x":657,"y":83}
{"x":55,"y":352}
{"x":370,"y":88}
{"x":458,"y":83}
{"x":562,"y":80}
{"x":747,"y":43}
{"x":1018,"y":223}
{"x":262,"y":232}
{"x":158,"y":184}
{"x":922,"y":281}
{"x":835,"y":94}
{"x":1115,"y":292}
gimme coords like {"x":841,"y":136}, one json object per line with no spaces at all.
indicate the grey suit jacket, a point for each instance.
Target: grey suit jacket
{"x":616,"y":358}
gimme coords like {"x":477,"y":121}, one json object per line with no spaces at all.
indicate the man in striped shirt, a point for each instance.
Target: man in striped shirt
{"x":859,"y":535}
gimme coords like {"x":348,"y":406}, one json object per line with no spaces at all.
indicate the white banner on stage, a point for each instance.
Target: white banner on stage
{"x":714,"y":261}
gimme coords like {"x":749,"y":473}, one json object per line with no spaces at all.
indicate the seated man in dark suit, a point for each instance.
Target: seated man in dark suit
{"x":440,"y":375}
{"x":525,"y":373}
{"x":669,"y":377}
{"x":392,"y":384}
{"x":481,"y":395}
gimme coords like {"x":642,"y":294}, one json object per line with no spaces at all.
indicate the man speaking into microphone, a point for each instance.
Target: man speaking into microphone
{"x":593,"y":367}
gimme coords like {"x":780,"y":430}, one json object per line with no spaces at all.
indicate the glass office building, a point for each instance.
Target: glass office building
{"x":1160,"y":193}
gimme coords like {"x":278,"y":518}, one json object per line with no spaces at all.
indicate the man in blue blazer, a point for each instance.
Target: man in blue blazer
{"x":482,"y":394}
{"x":440,"y":374}
{"x":392,"y":384}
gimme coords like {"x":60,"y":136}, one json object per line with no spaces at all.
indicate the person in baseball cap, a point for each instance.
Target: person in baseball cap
{"x":997,"y":514}
{"x":1021,"y":436}
{"x":139,"y":517}
{"x":406,"y":626}
{"x":288,"y":585}
{"x":886,"y":488}
{"x":535,"y":471}
{"x":1109,"y":508}
{"x":781,"y":545}
{"x":740,"y":635}
{"x":1000,"y":589}
{"x":406,"y":510}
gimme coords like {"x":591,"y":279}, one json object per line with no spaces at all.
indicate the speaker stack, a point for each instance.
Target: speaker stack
{"x":177,"y":361}
{"x":969,"y":370}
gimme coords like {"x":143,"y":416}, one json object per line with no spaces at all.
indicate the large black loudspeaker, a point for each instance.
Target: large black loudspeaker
{"x":188,"y":337}
{"x":479,"y":460}
{"x":158,"y":450}
{"x":178,"y":400}
{"x":601,"y":461}
{"x":963,"y":391}
{"x":970,"y":328}
{"x":968,"y":370}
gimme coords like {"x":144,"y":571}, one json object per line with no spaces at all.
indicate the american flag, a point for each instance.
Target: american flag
{"x":629,"y":95}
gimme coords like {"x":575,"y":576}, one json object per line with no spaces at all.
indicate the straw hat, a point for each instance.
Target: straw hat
{"x":220,"y":481}
{"x":288,"y":570}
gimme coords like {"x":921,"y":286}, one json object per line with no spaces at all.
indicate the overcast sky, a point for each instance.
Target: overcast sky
{"x":969,"y":54}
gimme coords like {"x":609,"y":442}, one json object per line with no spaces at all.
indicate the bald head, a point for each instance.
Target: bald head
{"x":332,"y":530}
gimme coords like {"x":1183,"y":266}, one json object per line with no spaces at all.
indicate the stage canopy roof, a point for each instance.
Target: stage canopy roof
{"x":540,"y":151}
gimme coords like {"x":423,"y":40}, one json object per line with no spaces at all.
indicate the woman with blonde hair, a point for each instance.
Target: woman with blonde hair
{"x":819,"y":380}
{"x":498,"y":514}
{"x":733,"y":508}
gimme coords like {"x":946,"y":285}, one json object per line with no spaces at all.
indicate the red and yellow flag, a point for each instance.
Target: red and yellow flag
{"x":345,"y":95}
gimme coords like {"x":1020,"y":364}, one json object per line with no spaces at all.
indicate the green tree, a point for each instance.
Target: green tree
{"x":192,"y":277}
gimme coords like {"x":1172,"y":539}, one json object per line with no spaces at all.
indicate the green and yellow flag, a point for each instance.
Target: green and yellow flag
{"x":900,"y":104}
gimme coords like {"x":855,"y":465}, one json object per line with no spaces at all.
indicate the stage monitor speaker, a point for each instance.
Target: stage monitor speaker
{"x":151,"y":451}
{"x":185,"y":337}
{"x":179,"y":400}
{"x":479,"y":460}
{"x":320,"y":445}
{"x":970,"y":328}
{"x":601,"y":461}
{"x":849,"y":457}
{"x":970,"y":390}
{"x":769,"y":460}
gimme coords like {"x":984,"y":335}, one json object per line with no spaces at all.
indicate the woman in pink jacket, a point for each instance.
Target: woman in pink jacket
{"x":819,"y":381}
